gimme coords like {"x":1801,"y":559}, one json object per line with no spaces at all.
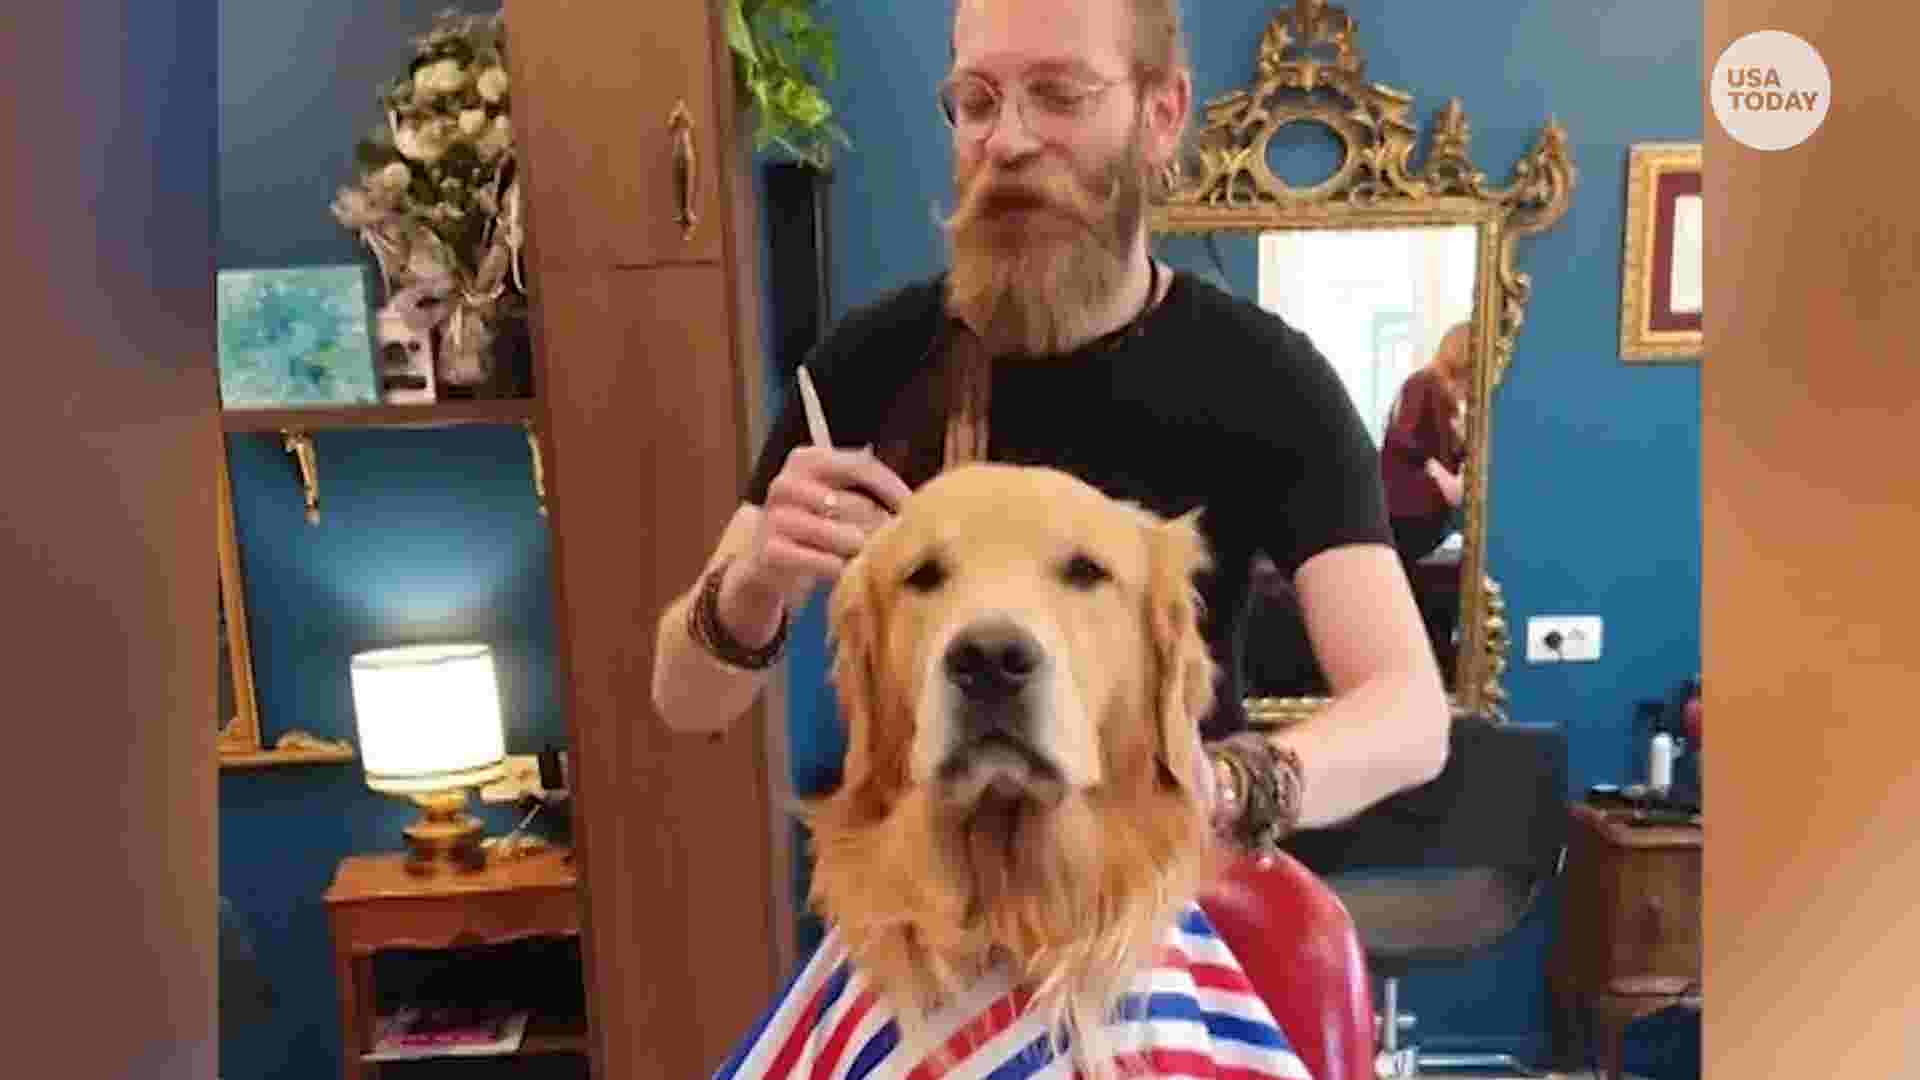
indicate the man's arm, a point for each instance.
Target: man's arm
{"x":692,"y":689}
{"x":1386,"y":728}
{"x":779,"y":552}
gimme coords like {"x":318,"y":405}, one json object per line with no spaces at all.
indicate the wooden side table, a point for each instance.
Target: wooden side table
{"x":1629,"y":939}
{"x":375,"y":904}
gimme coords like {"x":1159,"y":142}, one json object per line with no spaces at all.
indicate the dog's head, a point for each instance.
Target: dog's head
{"x":1019,"y":663}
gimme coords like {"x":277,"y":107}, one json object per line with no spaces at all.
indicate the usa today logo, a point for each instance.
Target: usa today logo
{"x":1770,"y":90}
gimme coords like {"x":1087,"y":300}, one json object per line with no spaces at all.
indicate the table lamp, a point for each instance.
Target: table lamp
{"x":430,"y":728}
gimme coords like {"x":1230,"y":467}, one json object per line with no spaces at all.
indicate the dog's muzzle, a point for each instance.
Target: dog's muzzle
{"x":995,"y":671}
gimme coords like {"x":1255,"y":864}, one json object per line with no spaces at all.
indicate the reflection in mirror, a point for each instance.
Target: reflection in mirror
{"x":1378,"y":312}
{"x":1391,"y":309}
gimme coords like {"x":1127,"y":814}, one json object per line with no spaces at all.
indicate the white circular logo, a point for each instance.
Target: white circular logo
{"x":1770,"y":90}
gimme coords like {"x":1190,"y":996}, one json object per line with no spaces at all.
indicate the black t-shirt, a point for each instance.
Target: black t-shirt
{"x":1214,"y":402}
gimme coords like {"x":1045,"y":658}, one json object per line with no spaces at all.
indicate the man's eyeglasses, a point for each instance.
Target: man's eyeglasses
{"x":1049,"y":107}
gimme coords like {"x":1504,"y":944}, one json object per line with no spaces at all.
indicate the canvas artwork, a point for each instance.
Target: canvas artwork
{"x":295,"y":337}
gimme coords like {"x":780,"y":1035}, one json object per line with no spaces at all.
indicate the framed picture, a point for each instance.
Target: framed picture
{"x":1660,"y":291}
{"x":296,"y":337}
{"x":237,"y":718}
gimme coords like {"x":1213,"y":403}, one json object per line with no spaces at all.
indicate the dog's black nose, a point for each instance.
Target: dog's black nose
{"x":992,"y":661}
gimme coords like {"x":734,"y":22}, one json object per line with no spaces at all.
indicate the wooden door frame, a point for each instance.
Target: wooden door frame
{"x":621,"y":808}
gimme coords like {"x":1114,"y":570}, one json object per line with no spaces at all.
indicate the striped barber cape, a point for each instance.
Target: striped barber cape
{"x":1201,"y":1018}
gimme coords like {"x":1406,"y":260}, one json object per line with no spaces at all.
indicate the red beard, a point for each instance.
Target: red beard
{"x":1037,"y":254}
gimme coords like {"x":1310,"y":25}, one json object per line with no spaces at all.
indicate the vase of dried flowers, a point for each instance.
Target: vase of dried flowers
{"x":437,"y":201}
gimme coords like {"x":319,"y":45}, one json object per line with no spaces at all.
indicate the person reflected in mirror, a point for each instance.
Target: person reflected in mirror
{"x":1425,"y":448}
{"x":1422,"y":459}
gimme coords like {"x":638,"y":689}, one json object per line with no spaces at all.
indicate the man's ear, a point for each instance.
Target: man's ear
{"x":1184,"y":689}
{"x":1169,"y":108}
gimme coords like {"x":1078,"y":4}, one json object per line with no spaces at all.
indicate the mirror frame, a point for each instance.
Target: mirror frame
{"x":1310,"y":70}
{"x":238,"y":742}
{"x":239,"y":737}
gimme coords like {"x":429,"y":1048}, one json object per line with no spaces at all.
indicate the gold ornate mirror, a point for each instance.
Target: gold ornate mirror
{"x":1374,"y":262}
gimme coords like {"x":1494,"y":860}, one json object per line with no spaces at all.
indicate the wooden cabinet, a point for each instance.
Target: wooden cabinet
{"x":596,"y":85}
{"x":648,"y":363}
{"x":375,"y":905}
{"x":1630,"y":932}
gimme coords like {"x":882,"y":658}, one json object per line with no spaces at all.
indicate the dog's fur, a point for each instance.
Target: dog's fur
{"x":1067,"y":860}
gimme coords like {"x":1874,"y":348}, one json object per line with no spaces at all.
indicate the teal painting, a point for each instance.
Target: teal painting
{"x":295,"y":337}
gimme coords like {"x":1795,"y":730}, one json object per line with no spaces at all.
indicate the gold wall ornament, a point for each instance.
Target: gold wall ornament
{"x":539,"y":465}
{"x":1310,"y":69}
{"x":300,"y":445}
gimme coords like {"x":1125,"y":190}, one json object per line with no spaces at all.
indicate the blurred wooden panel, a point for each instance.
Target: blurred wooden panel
{"x":1812,"y":510}
{"x":645,"y":456}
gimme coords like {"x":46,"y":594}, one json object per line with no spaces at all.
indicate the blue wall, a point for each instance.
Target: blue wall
{"x":1595,"y":497}
{"x":433,"y":534}
{"x":424,"y":535}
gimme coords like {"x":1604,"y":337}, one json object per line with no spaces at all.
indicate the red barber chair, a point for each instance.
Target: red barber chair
{"x":1299,"y":948}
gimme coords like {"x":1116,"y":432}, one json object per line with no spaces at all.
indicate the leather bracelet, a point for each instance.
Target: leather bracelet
{"x":1267,"y":784}
{"x":710,"y":632}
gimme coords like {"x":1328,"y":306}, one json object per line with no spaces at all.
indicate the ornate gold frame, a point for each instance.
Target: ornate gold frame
{"x":238,"y":743}
{"x":1310,"y":70}
{"x":240,"y":735}
{"x":1639,"y":343}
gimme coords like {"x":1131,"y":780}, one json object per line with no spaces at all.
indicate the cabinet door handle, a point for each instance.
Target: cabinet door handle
{"x":1654,"y":915}
{"x":686,"y":168}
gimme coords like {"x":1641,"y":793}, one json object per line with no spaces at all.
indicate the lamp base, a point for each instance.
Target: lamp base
{"x":444,"y":838}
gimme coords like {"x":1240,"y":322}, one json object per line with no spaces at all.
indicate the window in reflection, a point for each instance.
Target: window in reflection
{"x":1376,"y":302}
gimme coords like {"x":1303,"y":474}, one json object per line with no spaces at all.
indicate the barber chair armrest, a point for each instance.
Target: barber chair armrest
{"x":1298,"y":946}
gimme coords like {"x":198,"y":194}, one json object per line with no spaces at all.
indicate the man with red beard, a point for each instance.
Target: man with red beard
{"x":1054,"y":338}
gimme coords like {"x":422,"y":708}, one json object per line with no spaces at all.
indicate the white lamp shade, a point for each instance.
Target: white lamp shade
{"x":428,"y":717}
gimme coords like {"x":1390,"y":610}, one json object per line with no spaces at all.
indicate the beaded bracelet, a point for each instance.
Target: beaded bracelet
{"x":1261,"y":786}
{"x":707,"y":629}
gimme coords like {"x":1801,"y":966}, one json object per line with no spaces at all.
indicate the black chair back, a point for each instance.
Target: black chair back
{"x":1500,"y":802}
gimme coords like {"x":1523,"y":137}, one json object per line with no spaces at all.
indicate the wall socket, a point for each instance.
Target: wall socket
{"x":524,"y":778}
{"x":1554,"y":638}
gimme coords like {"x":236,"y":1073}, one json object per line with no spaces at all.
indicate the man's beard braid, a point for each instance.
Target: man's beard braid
{"x":1039,"y":295}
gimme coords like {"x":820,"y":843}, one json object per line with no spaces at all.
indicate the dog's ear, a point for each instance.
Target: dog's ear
{"x":853,"y":617}
{"x":1185,"y":668}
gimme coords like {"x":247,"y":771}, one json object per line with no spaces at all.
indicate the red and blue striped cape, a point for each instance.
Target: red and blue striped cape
{"x":1201,"y":1018}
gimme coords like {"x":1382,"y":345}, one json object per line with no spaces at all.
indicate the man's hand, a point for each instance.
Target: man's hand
{"x":820,"y":510}
{"x":1452,"y":488}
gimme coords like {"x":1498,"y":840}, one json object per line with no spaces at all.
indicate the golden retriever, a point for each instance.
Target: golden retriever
{"x":1020,"y":666}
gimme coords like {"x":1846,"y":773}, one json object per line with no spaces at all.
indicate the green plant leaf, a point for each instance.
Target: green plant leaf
{"x":739,"y":37}
{"x":784,"y":50}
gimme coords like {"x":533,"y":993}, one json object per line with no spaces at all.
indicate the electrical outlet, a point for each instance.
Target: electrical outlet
{"x":523,"y":778}
{"x":1554,"y":638}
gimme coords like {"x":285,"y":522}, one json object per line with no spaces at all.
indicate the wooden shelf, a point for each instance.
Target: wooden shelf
{"x":442,"y":414}
{"x":296,"y":428}
{"x":267,"y":759}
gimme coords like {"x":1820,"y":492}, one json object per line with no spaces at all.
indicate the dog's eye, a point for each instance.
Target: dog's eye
{"x":1082,"y":572}
{"x":927,"y":576}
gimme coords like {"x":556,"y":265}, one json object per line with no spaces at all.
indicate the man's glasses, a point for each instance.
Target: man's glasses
{"x":1049,"y":107}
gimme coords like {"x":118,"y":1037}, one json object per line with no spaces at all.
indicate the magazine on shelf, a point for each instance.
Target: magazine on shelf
{"x":415,"y":1033}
